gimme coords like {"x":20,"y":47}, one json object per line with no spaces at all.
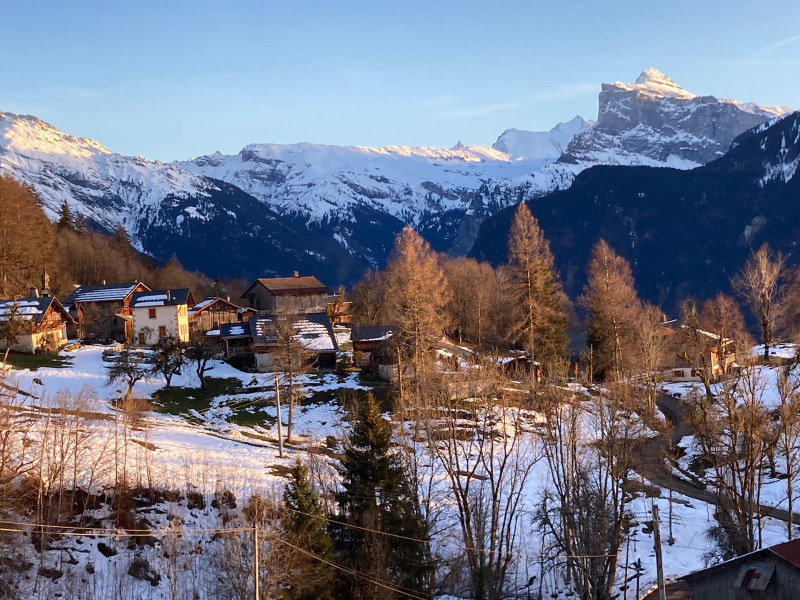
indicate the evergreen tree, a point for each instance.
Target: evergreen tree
{"x":65,"y":219}
{"x":377,"y":497}
{"x":539,"y":320}
{"x":304,"y":525}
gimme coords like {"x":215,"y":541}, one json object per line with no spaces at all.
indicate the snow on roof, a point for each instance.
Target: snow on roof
{"x":160,"y":298}
{"x":27,"y":309}
{"x":314,"y":336}
{"x":101,"y":293}
{"x":201,"y":306}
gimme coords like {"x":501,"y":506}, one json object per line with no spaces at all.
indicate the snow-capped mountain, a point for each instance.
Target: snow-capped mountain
{"x":551,"y":144}
{"x":655,"y":121}
{"x":685,"y":233}
{"x":335,"y":209}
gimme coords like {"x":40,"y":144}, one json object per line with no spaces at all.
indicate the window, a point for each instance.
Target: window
{"x":141,"y":338}
{"x":152,"y":312}
{"x":162,"y":331}
{"x":694,"y":373}
{"x":677,"y":373}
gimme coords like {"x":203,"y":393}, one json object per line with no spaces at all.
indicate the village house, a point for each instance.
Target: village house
{"x":257,"y":341}
{"x":768,"y":574}
{"x":40,"y":323}
{"x":287,"y":295}
{"x":103,"y":311}
{"x":681,"y":362}
{"x":210,"y":313}
{"x":161,"y":313}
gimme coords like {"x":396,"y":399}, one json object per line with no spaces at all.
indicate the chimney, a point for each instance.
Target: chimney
{"x":33,"y":293}
{"x":169,"y":295}
{"x":104,"y":281}
{"x":297,"y":273}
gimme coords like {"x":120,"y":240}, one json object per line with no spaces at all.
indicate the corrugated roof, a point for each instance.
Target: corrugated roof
{"x":789,"y":551}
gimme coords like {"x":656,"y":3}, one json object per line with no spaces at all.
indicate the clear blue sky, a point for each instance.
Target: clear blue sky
{"x":175,"y":79}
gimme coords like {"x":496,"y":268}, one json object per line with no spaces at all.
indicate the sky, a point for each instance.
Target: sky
{"x":173,"y":80}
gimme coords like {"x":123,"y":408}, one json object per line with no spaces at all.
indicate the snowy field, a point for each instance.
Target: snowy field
{"x":205,"y":450}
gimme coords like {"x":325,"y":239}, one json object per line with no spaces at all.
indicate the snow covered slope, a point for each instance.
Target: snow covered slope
{"x":335,"y":209}
{"x":323,"y":181}
{"x":540,"y":144}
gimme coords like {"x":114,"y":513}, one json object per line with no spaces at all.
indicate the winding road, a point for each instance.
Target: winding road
{"x":654,"y":468}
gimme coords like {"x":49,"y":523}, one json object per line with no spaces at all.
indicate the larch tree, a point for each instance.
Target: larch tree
{"x":26,"y":238}
{"x":417,"y":294}
{"x":761,"y":284}
{"x":539,"y":320}
{"x":612,"y":303}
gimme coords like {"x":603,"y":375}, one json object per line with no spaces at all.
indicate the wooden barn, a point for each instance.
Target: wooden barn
{"x":209,"y":314}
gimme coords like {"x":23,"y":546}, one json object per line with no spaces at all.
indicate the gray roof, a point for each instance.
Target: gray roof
{"x":370,"y":333}
{"x":30,"y":309}
{"x":160,"y":298}
{"x":313,"y":331}
{"x":112,"y":292}
{"x":234,"y":330}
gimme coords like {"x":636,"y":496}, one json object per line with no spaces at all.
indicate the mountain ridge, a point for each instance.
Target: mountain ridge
{"x":355,"y":198}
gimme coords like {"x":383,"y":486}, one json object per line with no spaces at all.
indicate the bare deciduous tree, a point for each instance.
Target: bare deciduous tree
{"x":761,"y":284}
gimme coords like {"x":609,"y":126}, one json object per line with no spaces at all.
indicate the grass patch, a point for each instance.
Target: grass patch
{"x":34,"y":362}
{"x":179,"y":400}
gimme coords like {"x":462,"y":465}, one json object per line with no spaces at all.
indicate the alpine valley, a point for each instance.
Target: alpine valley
{"x":334,"y":210}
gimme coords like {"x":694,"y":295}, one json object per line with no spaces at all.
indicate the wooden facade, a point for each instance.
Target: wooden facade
{"x":288,"y":295}
{"x":209,"y":314}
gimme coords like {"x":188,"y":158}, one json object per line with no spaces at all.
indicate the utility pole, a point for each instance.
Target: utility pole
{"x":280,"y":427}
{"x":670,"y":539}
{"x":255,"y":560}
{"x":662,"y":593}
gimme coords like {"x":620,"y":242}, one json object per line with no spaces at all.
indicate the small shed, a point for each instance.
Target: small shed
{"x":768,"y":574}
{"x":369,"y":342}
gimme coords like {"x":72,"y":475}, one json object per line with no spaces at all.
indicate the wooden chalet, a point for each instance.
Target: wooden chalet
{"x":42,"y":323}
{"x":288,"y":295}
{"x":103,"y":311}
{"x":209,"y":314}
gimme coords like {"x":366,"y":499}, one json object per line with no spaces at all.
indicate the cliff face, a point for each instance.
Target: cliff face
{"x":656,"y":119}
